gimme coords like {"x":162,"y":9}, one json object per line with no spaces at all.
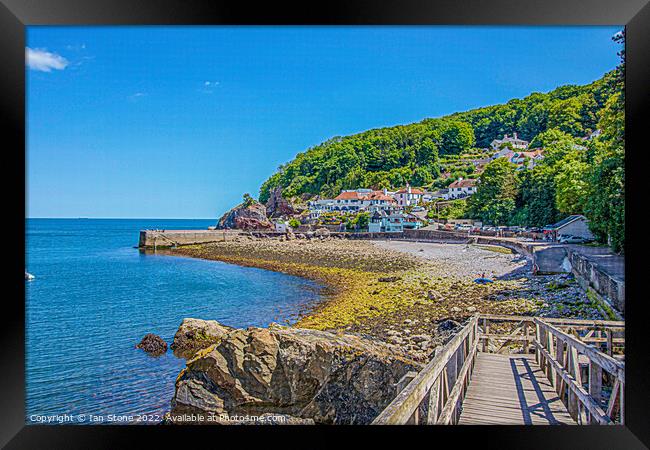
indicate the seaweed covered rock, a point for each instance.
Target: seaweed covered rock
{"x":152,"y":344}
{"x":196,"y":334}
{"x":307,"y":374}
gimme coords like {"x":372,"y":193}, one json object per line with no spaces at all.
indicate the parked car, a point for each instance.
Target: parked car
{"x":568,"y":239}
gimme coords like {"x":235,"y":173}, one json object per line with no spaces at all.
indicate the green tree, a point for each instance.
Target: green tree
{"x":536,"y":199}
{"x":457,"y":137}
{"x":572,"y":184}
{"x":605,"y":205}
{"x":494,"y":200}
{"x":248,"y":200}
{"x":363,"y":219}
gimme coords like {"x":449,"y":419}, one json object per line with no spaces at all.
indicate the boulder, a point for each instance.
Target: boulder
{"x":196,"y":334}
{"x":389,"y":279}
{"x":322,"y":233}
{"x":152,"y":344}
{"x":448,"y":325}
{"x":307,"y":374}
{"x":251,"y":217}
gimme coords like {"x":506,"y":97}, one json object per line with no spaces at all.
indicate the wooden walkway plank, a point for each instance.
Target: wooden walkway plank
{"x":511,"y":389}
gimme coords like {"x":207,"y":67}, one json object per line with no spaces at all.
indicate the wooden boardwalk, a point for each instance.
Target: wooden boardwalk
{"x":518,"y":370}
{"x":511,"y":390}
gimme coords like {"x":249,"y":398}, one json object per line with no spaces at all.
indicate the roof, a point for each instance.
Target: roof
{"x":565,"y":221}
{"x":508,"y":154}
{"x":532,"y":154}
{"x":463,"y":183}
{"x":379,"y":195}
{"x":348,"y":196}
{"x":507,"y":138}
{"x":413,"y":191}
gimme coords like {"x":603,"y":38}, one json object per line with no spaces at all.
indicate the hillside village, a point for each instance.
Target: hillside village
{"x":410,"y":207}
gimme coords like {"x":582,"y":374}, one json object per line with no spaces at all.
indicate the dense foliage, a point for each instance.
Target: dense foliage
{"x":576,"y":176}
{"x":391,"y":157}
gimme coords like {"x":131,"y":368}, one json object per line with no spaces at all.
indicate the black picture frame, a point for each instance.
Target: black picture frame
{"x":15,"y":15}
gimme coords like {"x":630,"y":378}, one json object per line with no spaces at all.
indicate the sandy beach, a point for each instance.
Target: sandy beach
{"x":407,"y":293}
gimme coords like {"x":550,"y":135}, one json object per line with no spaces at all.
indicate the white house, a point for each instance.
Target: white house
{"x":514,"y":141}
{"x":353,"y":201}
{"x":462,"y":188}
{"x":533,"y":157}
{"x":281,"y":227}
{"x":408,"y":196}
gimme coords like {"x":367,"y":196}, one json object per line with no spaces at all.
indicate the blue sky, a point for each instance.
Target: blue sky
{"x":179,"y":122}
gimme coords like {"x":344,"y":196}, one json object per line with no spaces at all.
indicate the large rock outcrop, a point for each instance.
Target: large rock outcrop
{"x":278,"y":206}
{"x":242,"y":217}
{"x":307,"y":374}
{"x":196,"y":334}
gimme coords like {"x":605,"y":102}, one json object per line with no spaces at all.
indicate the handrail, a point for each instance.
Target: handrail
{"x":405,"y":404}
{"x":605,"y":361}
{"x":446,"y":415}
{"x":554,"y":320}
{"x":564,"y":371}
{"x":597,"y":412}
{"x":439,"y":388}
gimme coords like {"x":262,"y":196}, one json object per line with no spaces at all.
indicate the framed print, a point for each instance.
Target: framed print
{"x":386,"y":220}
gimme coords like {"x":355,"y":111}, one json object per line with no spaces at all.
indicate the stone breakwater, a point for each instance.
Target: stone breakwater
{"x":405,"y":293}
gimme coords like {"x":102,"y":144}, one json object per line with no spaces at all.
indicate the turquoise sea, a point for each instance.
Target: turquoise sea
{"x":94,"y":296}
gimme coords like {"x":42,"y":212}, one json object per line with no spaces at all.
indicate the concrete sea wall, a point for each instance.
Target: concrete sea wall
{"x":170,"y":238}
{"x":592,"y":277}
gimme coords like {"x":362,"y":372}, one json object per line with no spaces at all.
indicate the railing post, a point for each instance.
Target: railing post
{"x":621,"y":403}
{"x":610,"y":342}
{"x":401,"y":384}
{"x":435,"y":396}
{"x":559,"y":356}
{"x":452,"y":369}
{"x":574,"y":371}
{"x":595,"y":382}
{"x":550,"y":373}
{"x":486,"y":330}
{"x":525,"y":349}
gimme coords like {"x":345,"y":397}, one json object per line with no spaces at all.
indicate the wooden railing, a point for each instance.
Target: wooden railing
{"x":559,"y":355}
{"x":434,"y":395}
{"x":564,"y":349}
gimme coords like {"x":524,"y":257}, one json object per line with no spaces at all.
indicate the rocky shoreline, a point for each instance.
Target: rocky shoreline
{"x":388,"y":307}
{"x":402,"y":292}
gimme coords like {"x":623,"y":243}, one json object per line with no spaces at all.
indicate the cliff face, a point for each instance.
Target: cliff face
{"x":278,"y":206}
{"x":252,"y":217}
{"x":299,"y":373}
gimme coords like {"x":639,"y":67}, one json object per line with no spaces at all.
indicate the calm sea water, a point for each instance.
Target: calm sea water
{"x":95,"y":296}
